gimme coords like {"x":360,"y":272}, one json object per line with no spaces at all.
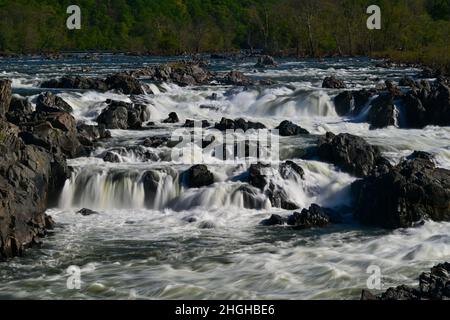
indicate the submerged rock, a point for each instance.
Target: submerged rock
{"x":287,"y":128}
{"x":408,"y":193}
{"x":351,"y":154}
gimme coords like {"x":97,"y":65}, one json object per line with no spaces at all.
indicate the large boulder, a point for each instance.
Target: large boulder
{"x":333,"y":83}
{"x":20,"y":110}
{"x":48,"y":102}
{"x":287,"y":128}
{"x":5,"y":97}
{"x":343,"y":103}
{"x":383,"y":114}
{"x":29,"y":178}
{"x":415,"y":112}
{"x":198,"y":176}
{"x":351,"y":154}
{"x":124,"y":83}
{"x":122,"y":115}
{"x":412,"y":191}
{"x":433,"y":285}
{"x":55,"y":132}
{"x":172,"y":118}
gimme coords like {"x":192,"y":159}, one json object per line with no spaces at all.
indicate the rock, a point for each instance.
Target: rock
{"x":87,"y":212}
{"x":198,"y":176}
{"x":407,"y":82}
{"x":314,"y":217}
{"x":48,"y":102}
{"x":433,"y":285}
{"x":20,"y":111}
{"x":437,"y":105}
{"x":155,"y":142}
{"x":124,"y":83}
{"x":173,"y":118}
{"x":191,"y":123}
{"x":383,"y":113}
{"x":56,"y":132}
{"x":333,"y":83}
{"x":30,"y":178}
{"x":5,"y":97}
{"x":236,"y":78}
{"x":393,"y":89}
{"x":259,"y":176}
{"x":206,"y":225}
{"x":122,"y":115}
{"x":111,"y":157}
{"x":89,"y":134}
{"x":77,"y":82}
{"x":265,"y":61}
{"x":287,"y":128}
{"x":239,"y":124}
{"x":289,"y":169}
{"x":274,"y":220}
{"x":343,"y":103}
{"x":120,"y":82}
{"x":415,"y":112}
{"x":412,"y":191}
{"x":420,"y":155}
{"x":351,"y":154}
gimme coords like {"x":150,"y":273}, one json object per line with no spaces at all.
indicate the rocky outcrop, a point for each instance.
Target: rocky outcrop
{"x":5,"y":97}
{"x":259,"y":176}
{"x":314,"y":217}
{"x":433,"y":285}
{"x":265,"y":62}
{"x":406,"y":194}
{"x":124,"y":83}
{"x":20,"y":110}
{"x":287,"y":129}
{"x":76,"y":82}
{"x":333,"y":83}
{"x":383,"y":113}
{"x":198,"y":176}
{"x":120,"y":82}
{"x":239,"y":124}
{"x":48,"y":102}
{"x":352,"y":102}
{"x":30,"y":177}
{"x":351,"y":154}
{"x":88,"y":135}
{"x":122,"y":115}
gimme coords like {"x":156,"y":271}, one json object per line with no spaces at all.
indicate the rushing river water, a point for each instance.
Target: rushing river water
{"x":142,"y":248}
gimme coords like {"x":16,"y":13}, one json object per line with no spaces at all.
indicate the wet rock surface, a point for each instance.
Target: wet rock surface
{"x":351,"y":154}
{"x":408,"y":193}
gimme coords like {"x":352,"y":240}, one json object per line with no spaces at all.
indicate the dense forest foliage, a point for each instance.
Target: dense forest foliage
{"x":419,"y":28}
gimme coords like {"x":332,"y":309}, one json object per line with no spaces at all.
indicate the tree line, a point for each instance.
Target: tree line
{"x":418,"y":28}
